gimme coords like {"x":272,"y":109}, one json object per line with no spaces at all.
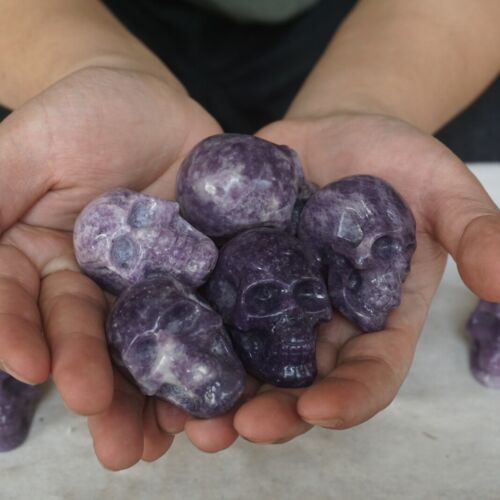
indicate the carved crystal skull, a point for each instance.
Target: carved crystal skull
{"x":122,"y":237}
{"x":484,"y":330}
{"x":272,"y":299}
{"x":17,"y":405}
{"x":232,"y":182}
{"x":174,"y":346}
{"x":364,"y":234}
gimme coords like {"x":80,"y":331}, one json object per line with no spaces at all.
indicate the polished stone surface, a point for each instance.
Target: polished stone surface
{"x":272,"y":300}
{"x":173,"y":346}
{"x":233,"y":182}
{"x":484,"y":330}
{"x":439,"y":439}
{"x":122,"y":237}
{"x":17,"y":405}
{"x":365,"y":236}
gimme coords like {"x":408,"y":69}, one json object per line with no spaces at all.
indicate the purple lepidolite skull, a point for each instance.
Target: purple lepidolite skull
{"x":174,"y":346}
{"x":484,"y":330}
{"x":232,"y":182}
{"x":364,"y":234}
{"x":17,"y":405}
{"x":267,"y":291}
{"x":122,"y":237}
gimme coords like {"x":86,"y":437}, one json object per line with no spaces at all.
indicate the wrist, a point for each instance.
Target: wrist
{"x":350,"y":101}
{"x":41,"y":42}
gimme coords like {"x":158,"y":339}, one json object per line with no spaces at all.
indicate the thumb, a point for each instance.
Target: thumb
{"x":24,"y":166}
{"x":467,"y":224}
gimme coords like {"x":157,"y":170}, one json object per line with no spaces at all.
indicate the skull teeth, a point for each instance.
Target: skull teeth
{"x":304,"y":370}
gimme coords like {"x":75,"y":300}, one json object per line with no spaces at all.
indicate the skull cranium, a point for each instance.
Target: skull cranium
{"x":364,"y":234}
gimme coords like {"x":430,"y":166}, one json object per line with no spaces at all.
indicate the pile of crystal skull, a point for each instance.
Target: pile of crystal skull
{"x":192,"y":319}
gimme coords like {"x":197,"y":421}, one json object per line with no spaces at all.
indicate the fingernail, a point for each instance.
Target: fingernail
{"x":7,"y":369}
{"x":336,"y":423}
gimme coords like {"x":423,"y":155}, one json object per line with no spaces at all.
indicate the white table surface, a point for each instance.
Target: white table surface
{"x":440,"y":439}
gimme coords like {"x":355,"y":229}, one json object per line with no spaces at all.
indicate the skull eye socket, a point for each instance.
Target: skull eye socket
{"x":142,"y":214}
{"x":310,"y":294}
{"x":124,"y":252}
{"x":386,"y":247}
{"x":263,"y":299}
{"x":181,"y":315}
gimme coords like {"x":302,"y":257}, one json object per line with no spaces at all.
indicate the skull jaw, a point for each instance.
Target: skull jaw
{"x":369,"y":306}
{"x":210,"y":400}
{"x":366,"y":321}
{"x":211,"y":392}
{"x":281,"y":369}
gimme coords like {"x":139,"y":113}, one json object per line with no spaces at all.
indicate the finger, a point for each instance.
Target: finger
{"x":271,"y":417}
{"x":466,"y":222}
{"x":118,"y":431}
{"x":23,"y":350}
{"x":216,"y":434}
{"x":74,"y":312}
{"x":156,"y":441}
{"x":213,"y":434}
{"x":171,"y":419}
{"x":477,"y":256}
{"x":371,"y":367}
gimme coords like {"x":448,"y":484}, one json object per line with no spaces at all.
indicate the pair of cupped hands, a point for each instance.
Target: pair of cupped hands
{"x":100,"y":128}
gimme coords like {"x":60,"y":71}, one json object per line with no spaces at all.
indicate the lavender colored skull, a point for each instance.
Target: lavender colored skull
{"x":122,"y":237}
{"x":17,"y":405}
{"x":364,"y":234}
{"x":484,"y":330}
{"x":232,"y":182}
{"x":174,"y":346}
{"x":267,"y":291}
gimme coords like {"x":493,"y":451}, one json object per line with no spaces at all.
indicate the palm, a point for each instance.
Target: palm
{"x":360,"y":374}
{"x":95,"y":130}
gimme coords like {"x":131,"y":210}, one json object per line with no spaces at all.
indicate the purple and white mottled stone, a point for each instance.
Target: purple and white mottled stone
{"x":272,"y":300}
{"x":364,"y":234}
{"x":174,"y":347}
{"x":232,"y":182}
{"x":122,"y":237}
{"x":484,"y":330}
{"x":306,"y":190}
{"x":17,"y":406}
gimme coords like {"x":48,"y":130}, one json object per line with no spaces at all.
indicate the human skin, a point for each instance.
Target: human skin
{"x":364,"y":109}
{"x":369,"y":107}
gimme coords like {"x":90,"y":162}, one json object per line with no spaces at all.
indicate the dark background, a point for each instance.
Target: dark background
{"x":246,"y":75}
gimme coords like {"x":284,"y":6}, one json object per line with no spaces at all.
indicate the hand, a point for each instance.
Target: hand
{"x":92,"y":131}
{"x":359,"y":375}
